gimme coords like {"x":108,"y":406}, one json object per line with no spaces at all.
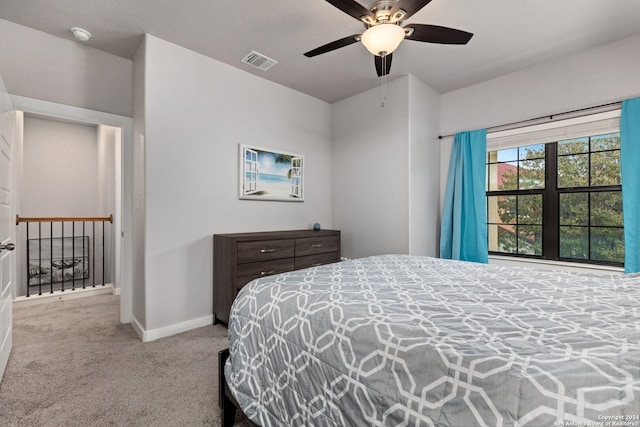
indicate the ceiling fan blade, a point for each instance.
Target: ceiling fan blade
{"x":383,"y":65}
{"x":346,"y":41}
{"x":409,"y":6}
{"x":437,"y":34}
{"x":353,"y":8}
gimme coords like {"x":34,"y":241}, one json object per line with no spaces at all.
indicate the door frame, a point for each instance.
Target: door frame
{"x":125,"y":124}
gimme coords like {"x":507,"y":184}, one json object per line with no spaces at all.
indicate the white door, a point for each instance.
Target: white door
{"x":7,"y":226}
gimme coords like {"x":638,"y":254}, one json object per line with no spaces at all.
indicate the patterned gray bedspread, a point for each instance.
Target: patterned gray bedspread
{"x":398,"y":340}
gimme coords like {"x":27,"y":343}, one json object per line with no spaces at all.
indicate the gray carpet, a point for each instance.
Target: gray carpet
{"x":74,"y":364}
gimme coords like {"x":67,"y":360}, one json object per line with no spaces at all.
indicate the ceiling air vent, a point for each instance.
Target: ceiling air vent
{"x":258,"y":60}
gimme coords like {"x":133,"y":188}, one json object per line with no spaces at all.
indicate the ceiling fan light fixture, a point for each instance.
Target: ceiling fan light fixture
{"x":383,"y":39}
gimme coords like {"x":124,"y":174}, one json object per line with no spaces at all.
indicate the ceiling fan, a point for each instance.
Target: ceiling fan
{"x":383,"y":32}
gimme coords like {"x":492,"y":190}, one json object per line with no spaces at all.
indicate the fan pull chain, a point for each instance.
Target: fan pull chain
{"x":384,"y":80}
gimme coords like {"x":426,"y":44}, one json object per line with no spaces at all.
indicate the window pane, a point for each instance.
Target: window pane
{"x":507,"y":209}
{"x":508,"y":155}
{"x":607,"y":244}
{"x":574,"y":209}
{"x":492,"y":234}
{"x":573,"y":171}
{"x":605,"y":168}
{"x":531,"y":174}
{"x":606,"y":208}
{"x":530,"y":209}
{"x":492,"y":173}
{"x":530,"y":239}
{"x":610,"y":141}
{"x":573,"y":146}
{"x":502,"y":238}
{"x":574,"y":242}
{"x":503,"y":176}
{"x":492,"y":209}
{"x":531,"y":152}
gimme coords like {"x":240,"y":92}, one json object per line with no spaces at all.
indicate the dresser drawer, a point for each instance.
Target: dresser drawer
{"x":316,"y":245}
{"x":262,"y":250}
{"x":254,"y":270}
{"x":239,"y":258}
{"x":316,"y":260}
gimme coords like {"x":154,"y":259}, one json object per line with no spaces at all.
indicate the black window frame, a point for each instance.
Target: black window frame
{"x":551,"y":207}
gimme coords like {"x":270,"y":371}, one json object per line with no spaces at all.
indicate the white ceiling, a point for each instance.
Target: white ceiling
{"x":508,"y":35}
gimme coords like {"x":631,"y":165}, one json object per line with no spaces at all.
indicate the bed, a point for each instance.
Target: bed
{"x":399,"y":340}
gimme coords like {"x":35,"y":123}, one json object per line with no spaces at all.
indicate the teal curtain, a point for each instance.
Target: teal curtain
{"x":629,"y":164}
{"x":463,"y":233}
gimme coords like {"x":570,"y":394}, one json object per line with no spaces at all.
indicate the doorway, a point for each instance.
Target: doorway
{"x":122,"y":187}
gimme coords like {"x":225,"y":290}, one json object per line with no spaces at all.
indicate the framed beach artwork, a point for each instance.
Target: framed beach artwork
{"x":271,"y":175}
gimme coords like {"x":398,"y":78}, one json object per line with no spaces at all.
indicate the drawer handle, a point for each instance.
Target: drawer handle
{"x":317,"y":264}
{"x":317,"y":245}
{"x":267,"y":251}
{"x":266,"y":273}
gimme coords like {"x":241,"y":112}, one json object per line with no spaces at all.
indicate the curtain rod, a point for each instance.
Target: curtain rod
{"x":547,"y":118}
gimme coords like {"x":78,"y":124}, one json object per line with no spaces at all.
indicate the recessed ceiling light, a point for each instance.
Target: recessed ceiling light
{"x":81,"y":34}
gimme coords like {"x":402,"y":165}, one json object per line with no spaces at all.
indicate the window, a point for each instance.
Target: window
{"x":558,"y":200}
{"x":516,"y":182}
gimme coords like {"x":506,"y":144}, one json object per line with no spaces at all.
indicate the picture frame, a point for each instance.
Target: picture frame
{"x":267,"y":174}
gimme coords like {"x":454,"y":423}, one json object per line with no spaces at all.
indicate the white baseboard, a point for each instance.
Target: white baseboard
{"x":145,"y":335}
{"x":137,"y":327}
{"x":167,"y":331}
{"x":48,"y":297}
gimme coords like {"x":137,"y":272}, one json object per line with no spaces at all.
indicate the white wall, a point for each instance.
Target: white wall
{"x":196,"y":113}
{"x":38,"y":65}
{"x":105,"y":170}
{"x":59,"y":169}
{"x":385,"y":161}
{"x":596,"y":76}
{"x":138,"y":292}
{"x":108,"y":149}
{"x":424,"y":166}
{"x":371,"y":171}
{"x":593,"y":77}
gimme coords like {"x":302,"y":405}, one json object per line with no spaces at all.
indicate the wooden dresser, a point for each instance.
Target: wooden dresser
{"x":241,"y":257}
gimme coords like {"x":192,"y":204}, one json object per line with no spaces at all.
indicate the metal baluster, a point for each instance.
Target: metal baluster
{"x":84,"y":277}
{"x":28,"y":265}
{"x":103,"y":272}
{"x":62,"y":255}
{"x":73,"y":256}
{"x":39,"y":258}
{"x":50,"y":257}
{"x":84,"y":268}
{"x":93,"y":255}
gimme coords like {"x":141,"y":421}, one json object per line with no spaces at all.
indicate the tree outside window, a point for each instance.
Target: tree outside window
{"x":557,"y":201}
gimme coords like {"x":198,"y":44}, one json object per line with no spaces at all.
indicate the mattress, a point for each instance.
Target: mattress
{"x":399,"y":340}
